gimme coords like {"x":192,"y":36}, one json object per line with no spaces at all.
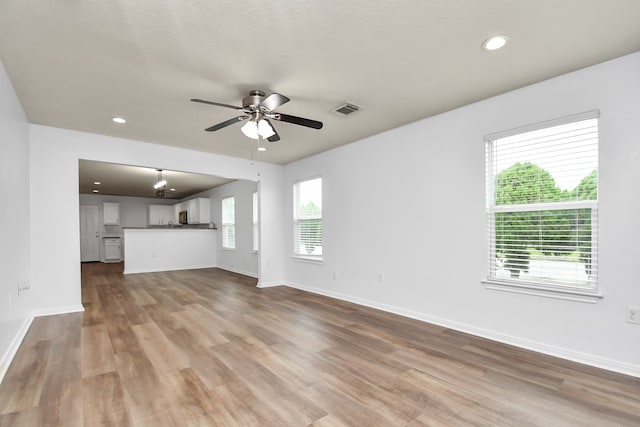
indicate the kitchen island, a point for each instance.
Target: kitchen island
{"x":165,"y":249}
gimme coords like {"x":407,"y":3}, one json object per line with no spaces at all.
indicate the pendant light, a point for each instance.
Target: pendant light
{"x":160,"y":185}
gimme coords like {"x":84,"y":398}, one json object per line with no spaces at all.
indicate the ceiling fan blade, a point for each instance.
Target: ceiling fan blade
{"x":299,"y":121}
{"x":275,"y":137}
{"x":217,"y":103}
{"x":226,"y":123}
{"x":273,"y":101}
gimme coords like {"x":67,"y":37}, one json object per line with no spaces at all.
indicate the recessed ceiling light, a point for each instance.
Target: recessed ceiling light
{"x":172,"y":189}
{"x":119,"y":120}
{"x":495,"y":42}
{"x":262,"y":148}
{"x":96,"y":183}
{"x":95,"y":190}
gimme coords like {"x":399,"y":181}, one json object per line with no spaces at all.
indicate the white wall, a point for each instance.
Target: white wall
{"x":14,"y":221}
{"x":55,"y":238}
{"x":410,"y":203}
{"x":242,"y":259}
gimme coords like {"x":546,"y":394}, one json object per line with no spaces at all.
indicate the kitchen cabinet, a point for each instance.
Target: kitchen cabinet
{"x":198,"y":211}
{"x":160,"y":214}
{"x":112,"y":249}
{"x":111,"y":213}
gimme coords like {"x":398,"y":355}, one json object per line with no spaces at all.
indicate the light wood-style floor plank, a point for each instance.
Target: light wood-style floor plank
{"x":164,"y":356}
{"x":25,"y":378}
{"x":103,"y":401}
{"x":208,"y":348}
{"x":97,"y":351}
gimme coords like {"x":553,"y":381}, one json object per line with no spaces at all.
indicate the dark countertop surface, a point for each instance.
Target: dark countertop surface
{"x":160,"y":227}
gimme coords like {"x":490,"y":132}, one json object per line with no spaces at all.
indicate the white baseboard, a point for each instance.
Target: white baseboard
{"x":563,"y":353}
{"x":238,"y":271}
{"x":168,"y":268}
{"x":6,"y":360}
{"x":58,"y":310}
{"x":268,"y":284}
{"x":15,"y":345}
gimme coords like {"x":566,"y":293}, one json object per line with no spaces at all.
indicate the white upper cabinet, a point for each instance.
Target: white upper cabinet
{"x":198,"y":211}
{"x":111,"y":213}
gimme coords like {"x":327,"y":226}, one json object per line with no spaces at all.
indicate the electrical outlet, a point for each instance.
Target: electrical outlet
{"x":381,"y":277}
{"x":633,"y":315}
{"x":335,"y":276}
{"x":23,"y":286}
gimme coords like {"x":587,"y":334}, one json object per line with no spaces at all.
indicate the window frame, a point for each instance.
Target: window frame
{"x":228,"y":225}
{"x":255,"y":203}
{"x":296,"y":221}
{"x":536,"y":287}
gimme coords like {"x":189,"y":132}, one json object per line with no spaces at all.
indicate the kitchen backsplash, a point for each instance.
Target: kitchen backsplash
{"x":112,"y":229}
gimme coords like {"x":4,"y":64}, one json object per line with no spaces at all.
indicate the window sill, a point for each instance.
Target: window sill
{"x":576,"y":295}
{"x":307,"y":259}
{"x":228,"y":249}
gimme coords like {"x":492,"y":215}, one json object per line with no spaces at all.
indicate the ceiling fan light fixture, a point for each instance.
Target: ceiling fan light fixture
{"x":265,"y":129}
{"x":250,"y":129}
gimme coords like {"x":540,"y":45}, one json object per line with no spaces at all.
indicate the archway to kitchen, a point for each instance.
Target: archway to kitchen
{"x":132,"y":217}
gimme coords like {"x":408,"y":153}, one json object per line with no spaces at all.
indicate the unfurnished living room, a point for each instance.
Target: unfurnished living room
{"x":365,"y":213}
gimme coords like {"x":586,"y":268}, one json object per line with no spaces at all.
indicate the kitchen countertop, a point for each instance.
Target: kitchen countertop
{"x":158,"y":227}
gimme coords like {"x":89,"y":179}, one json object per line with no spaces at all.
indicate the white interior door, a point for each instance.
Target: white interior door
{"x":89,"y":233}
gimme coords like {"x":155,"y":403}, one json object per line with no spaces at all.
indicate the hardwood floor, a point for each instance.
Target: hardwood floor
{"x":206,"y":347}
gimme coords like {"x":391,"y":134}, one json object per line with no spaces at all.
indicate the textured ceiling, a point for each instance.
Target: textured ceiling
{"x":76,"y":64}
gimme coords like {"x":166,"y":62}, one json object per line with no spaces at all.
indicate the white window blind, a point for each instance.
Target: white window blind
{"x":307,"y":218}
{"x":542,"y":204}
{"x":228,"y":223}
{"x":255,"y":222}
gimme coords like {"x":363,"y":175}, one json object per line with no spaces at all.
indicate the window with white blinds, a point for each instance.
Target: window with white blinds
{"x":542,"y":204}
{"x":255,"y":222}
{"x":229,"y":223}
{"x":307,"y":218}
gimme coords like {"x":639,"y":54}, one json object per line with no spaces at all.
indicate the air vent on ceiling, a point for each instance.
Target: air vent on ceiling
{"x":346,"y":109}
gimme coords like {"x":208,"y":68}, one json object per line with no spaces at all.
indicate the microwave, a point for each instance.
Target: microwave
{"x":182,"y":217}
